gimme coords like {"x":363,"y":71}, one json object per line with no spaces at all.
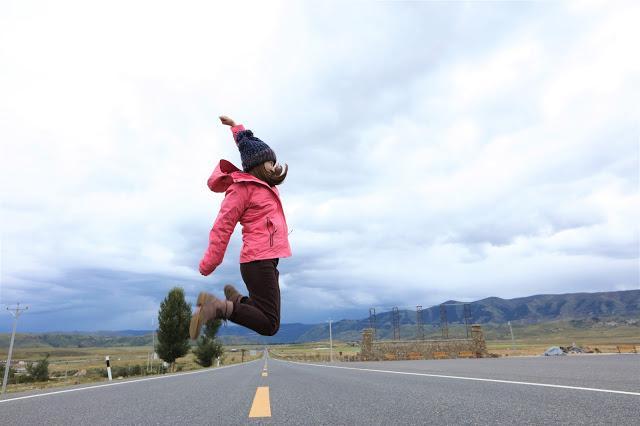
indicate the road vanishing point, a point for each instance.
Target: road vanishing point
{"x":537,"y":390}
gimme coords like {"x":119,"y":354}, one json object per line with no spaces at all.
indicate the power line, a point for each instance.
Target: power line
{"x":443,"y":322}
{"x":372,"y":320}
{"x":410,"y":308}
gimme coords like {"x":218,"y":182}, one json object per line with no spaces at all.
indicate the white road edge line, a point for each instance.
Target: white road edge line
{"x":168,"y":376}
{"x":477,"y":379}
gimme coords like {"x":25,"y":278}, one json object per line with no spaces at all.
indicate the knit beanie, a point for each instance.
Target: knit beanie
{"x":252,"y":150}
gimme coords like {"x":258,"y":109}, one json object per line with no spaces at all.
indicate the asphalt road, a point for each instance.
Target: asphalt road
{"x":567,"y":390}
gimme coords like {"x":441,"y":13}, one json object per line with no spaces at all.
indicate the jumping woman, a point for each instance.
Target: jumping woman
{"x":251,"y":198}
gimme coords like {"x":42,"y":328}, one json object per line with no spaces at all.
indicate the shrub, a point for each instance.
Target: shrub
{"x":39,"y":371}
{"x":23,"y":378}
{"x":12,"y":372}
{"x":207,"y":350}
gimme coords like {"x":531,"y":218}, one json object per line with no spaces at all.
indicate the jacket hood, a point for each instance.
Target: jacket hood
{"x":226,"y":174}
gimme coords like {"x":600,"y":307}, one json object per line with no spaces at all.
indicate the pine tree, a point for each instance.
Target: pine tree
{"x":173,"y":326}
{"x":211,"y":328}
{"x":207,"y":347}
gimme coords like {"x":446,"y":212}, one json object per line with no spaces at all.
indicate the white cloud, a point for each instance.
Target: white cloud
{"x":434,"y":154}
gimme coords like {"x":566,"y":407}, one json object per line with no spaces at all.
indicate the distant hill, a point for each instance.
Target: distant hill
{"x":76,"y":339}
{"x":288,"y":333}
{"x":492,"y":311}
{"x":541,"y":308}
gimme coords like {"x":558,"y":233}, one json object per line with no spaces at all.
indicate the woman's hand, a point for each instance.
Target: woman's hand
{"x":227,"y":121}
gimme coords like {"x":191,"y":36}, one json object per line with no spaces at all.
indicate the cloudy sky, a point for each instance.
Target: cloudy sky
{"x":436,"y":150}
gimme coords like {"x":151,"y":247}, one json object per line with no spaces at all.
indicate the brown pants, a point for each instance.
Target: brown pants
{"x":261,"y":310}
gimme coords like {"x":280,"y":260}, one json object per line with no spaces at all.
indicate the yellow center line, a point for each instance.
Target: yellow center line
{"x":264,"y":374}
{"x":261,"y":406}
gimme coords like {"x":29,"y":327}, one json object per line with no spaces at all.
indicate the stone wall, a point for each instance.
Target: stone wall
{"x":377,"y":350}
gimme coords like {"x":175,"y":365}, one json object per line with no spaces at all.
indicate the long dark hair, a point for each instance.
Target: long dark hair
{"x":272,"y":174}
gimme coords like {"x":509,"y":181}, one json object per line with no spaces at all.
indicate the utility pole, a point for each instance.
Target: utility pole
{"x":16,"y":313}
{"x":513,"y":344}
{"x":419,"y":323}
{"x":153,"y":348}
{"x":330,"y":343}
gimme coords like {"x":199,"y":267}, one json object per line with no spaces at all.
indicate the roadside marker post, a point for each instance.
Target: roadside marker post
{"x":108,"y":367}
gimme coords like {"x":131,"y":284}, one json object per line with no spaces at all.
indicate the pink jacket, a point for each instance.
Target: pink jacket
{"x":257,"y":207}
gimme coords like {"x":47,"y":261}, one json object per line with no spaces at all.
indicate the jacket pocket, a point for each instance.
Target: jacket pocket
{"x":271,"y":229}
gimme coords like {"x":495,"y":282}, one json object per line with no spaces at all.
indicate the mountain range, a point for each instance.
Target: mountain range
{"x":582,"y":308}
{"x":489,"y":311}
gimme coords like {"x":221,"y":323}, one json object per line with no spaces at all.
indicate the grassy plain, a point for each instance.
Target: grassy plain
{"x":319,"y":351}
{"x":528,"y":340}
{"x":535,"y":339}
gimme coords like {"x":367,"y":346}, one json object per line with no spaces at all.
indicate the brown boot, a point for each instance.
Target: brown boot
{"x":208,"y":307}
{"x":231,"y":294}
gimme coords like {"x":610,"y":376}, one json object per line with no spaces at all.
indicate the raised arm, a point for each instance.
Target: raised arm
{"x":235,"y":128}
